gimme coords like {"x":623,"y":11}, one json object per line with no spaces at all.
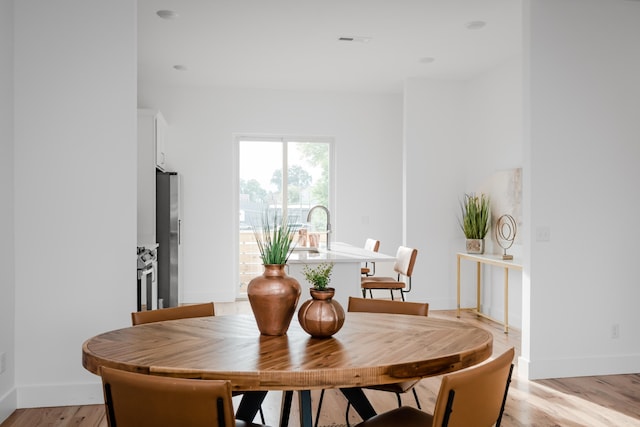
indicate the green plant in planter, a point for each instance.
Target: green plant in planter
{"x":275,"y":239}
{"x":475,"y":216}
{"x":319,"y":276}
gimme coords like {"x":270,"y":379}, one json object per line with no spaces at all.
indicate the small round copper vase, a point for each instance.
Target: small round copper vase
{"x":321,"y":316}
{"x":273,"y":298}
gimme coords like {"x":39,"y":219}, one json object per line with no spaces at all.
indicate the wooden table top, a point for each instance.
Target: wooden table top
{"x":370,"y":349}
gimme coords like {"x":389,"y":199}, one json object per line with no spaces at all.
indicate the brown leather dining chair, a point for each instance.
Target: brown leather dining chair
{"x":140,"y":400}
{"x":173,"y":313}
{"x":363,"y":305}
{"x":180,"y":312}
{"x":472,"y":397}
{"x":372,"y":245}
{"x":405,"y":260}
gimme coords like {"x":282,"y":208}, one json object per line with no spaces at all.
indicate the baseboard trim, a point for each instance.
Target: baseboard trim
{"x":39,"y":396}
{"x":8,"y":404}
{"x":578,"y":367}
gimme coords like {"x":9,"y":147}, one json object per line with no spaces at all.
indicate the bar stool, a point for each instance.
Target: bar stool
{"x":370,"y":245}
{"x":405,"y":260}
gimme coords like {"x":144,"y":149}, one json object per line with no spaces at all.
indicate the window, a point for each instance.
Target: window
{"x":263,"y":185}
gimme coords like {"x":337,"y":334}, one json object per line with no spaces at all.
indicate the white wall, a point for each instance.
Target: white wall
{"x":493,"y":128}
{"x":582,"y":172}
{"x":202,"y":121}
{"x":75,"y":189}
{"x":494,"y":136}
{"x":434,"y":125}
{"x":8,"y":398}
{"x":457,"y":134}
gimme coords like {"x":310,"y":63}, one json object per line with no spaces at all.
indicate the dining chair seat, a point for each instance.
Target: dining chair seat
{"x":365,"y":270}
{"x":405,"y":416}
{"x":381,"y":283}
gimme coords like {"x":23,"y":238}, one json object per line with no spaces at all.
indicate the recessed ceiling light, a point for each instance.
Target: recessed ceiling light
{"x":427,"y":60}
{"x":475,"y":25}
{"x":358,"y":39}
{"x":167,"y":14}
{"x":180,"y":67}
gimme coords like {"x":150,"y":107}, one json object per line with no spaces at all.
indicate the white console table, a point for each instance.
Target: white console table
{"x":497,"y":261}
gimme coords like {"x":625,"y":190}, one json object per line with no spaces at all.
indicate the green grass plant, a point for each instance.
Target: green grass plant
{"x":275,"y":239}
{"x":475,"y":216}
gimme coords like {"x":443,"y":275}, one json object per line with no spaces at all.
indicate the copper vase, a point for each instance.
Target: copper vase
{"x":321,"y":316}
{"x":273,"y":298}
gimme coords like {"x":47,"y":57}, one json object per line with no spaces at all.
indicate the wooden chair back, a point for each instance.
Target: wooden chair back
{"x":385,"y":306}
{"x":139,"y":400}
{"x":172,"y":313}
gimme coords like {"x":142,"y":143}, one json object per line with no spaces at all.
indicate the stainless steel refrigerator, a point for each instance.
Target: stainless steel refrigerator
{"x":168,"y":223}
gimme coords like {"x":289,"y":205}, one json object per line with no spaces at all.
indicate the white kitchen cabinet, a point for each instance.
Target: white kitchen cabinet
{"x":151,"y":142}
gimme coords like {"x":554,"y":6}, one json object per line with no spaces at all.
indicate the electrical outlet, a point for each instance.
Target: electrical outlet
{"x":615,"y":331}
{"x":3,"y":362}
{"x":543,"y":234}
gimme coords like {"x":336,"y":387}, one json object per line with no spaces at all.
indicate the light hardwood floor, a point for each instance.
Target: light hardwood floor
{"x":603,"y":401}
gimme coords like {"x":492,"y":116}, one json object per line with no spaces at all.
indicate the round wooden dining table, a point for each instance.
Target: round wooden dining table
{"x":370,"y":349}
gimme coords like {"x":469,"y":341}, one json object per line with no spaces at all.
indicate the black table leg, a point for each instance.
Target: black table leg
{"x":304,"y":401}
{"x":359,"y":402}
{"x":250,"y":405}
{"x":304,"y":405}
{"x":285,"y":408}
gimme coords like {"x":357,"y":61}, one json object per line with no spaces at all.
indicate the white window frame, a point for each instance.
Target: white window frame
{"x":284,"y":139}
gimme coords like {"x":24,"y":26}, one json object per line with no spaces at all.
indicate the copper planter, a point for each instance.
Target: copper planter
{"x":321,"y":316}
{"x":273,"y":298}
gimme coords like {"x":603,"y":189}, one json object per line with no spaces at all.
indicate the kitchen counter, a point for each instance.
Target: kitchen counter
{"x":345,"y":277}
{"x":339,"y":253}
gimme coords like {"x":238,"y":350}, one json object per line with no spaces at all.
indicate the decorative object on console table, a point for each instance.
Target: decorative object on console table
{"x":321,"y":316}
{"x":475,"y":221}
{"x":506,"y":230}
{"x":274,"y":295}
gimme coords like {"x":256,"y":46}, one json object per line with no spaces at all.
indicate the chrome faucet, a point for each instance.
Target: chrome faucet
{"x":324,"y":208}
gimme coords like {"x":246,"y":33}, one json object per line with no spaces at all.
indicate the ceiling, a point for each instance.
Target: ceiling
{"x":293,"y":44}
